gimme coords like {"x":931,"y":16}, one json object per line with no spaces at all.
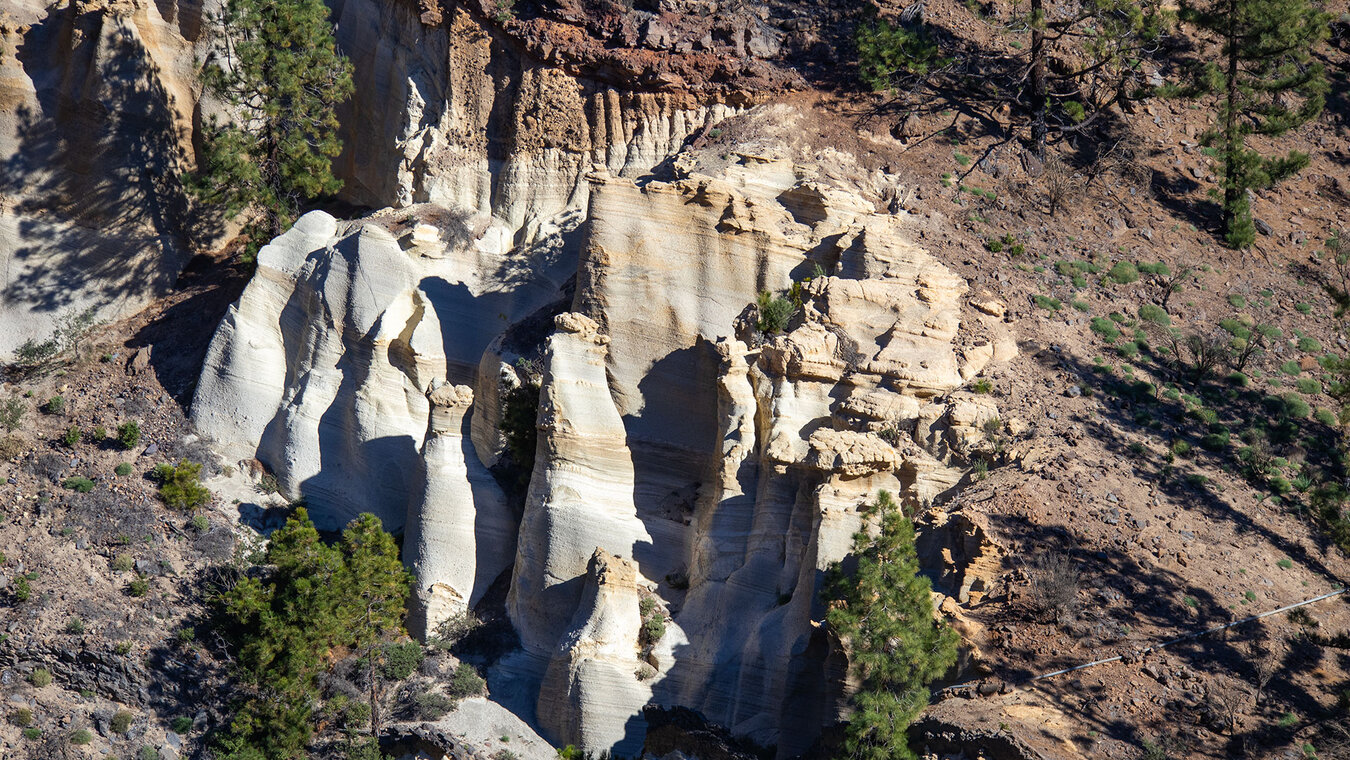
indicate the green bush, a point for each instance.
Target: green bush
{"x":72,"y":436}
{"x":138,"y":587}
{"x":12,"y":411}
{"x":1128,"y":350}
{"x":40,"y":677}
{"x":78,"y":483}
{"x":1155,"y":314}
{"x":1303,"y":308}
{"x":1309,"y":345}
{"x":75,"y":626}
{"x":1308,"y":385}
{"x":432,"y":705}
{"x":1291,"y":368}
{"x":147,"y":753}
{"x":401,"y":660}
{"x":199,"y":523}
{"x":32,"y":734}
{"x":1048,"y":303}
{"x":129,"y":434}
{"x":1160,"y":269}
{"x":55,"y":405}
{"x":121,"y":721}
{"x":1215,"y":441}
{"x":1237,"y":301}
{"x":1181,"y":448}
{"x":123,"y":469}
{"x":466,"y":682}
{"x":1105,"y":328}
{"x":180,"y":486}
{"x":22,"y":717}
{"x":1123,"y":273}
{"x":181,"y":724}
{"x":81,"y":737}
{"x":122,"y":563}
{"x":774,"y":313}
{"x":1326,"y":417}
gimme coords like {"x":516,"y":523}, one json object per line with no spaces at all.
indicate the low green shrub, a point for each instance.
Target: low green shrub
{"x":78,"y":483}
{"x":465,"y":682}
{"x":1123,"y":273}
{"x":123,"y":469}
{"x":1308,"y":385}
{"x":1155,"y":314}
{"x":121,"y":721}
{"x":1104,"y":328}
{"x":401,"y":660}
{"x":1291,"y":368}
{"x":81,"y":736}
{"x":72,"y":436}
{"x":432,"y":705}
{"x":129,"y":434}
{"x":55,"y":405}
{"x":40,"y":677}
{"x":180,"y":485}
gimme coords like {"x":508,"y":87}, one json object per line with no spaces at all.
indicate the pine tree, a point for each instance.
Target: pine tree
{"x":883,"y":613}
{"x":315,"y":598}
{"x":281,"y":76}
{"x":286,"y":626}
{"x":376,"y":604}
{"x":1267,"y":85}
{"x":1108,"y":41}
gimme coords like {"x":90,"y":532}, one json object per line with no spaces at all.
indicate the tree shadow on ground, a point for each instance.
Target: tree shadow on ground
{"x":103,"y":215}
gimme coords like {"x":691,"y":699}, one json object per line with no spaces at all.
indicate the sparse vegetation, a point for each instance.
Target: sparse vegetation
{"x":129,"y":434}
{"x":180,"y":486}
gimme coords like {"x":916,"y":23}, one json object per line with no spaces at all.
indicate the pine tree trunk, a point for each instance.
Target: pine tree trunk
{"x":374,"y":695}
{"x":1039,"y":100}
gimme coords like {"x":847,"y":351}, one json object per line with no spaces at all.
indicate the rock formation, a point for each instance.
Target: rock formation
{"x":689,"y":466}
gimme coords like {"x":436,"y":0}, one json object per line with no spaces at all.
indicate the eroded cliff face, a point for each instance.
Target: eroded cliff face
{"x":689,"y":467}
{"x":96,"y":106}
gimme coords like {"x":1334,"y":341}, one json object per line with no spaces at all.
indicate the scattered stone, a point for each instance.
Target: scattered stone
{"x":1262,"y":227}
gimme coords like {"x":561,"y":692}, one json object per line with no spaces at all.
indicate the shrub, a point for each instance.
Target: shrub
{"x":1123,"y":273}
{"x":147,"y":753}
{"x":180,"y":486}
{"x":653,"y":628}
{"x":401,"y":660}
{"x":453,"y":629}
{"x":79,"y":483}
{"x":1054,"y":586}
{"x":1181,"y":448}
{"x":466,"y":682}
{"x":1309,"y":345}
{"x":886,"y":52}
{"x":75,"y":625}
{"x":32,"y":734}
{"x":1325,"y":417}
{"x":1308,"y":385}
{"x":432,"y":705}
{"x":505,"y":754}
{"x":1285,"y":563}
{"x":1128,"y":350}
{"x":22,"y":717}
{"x":72,"y":436}
{"x":1237,"y":301}
{"x":123,"y":563}
{"x":129,"y":434}
{"x":33,"y":354}
{"x":1295,"y":407}
{"x":138,"y":587}
{"x":1291,"y":368}
{"x":55,"y":405}
{"x":982,"y":386}
{"x":1105,"y":328}
{"x":199,"y":523}
{"x":40,"y":677}
{"x":81,"y":736}
{"x":123,"y":469}
{"x":1155,"y":314}
{"x":11,"y":413}
{"x":22,"y":591}
{"x":1048,"y":303}
{"x":121,"y":721}
{"x":1215,"y":441}
{"x":1303,"y":308}
{"x":774,"y":313}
